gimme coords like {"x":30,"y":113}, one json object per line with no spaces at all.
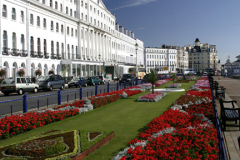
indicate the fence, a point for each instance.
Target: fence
{"x":221,"y":146}
{"x":37,"y":102}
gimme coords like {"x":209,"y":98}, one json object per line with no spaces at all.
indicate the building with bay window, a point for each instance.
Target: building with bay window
{"x":71,"y":37}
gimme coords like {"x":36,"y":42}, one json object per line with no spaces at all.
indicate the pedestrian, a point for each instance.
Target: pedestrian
{"x":219,"y":74}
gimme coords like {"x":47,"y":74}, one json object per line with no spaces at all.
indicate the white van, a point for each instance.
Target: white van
{"x":19,"y":85}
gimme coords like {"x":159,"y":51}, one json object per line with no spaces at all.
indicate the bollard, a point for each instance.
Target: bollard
{"x":117,"y":86}
{"x":24,"y":103}
{"x":136,"y":81}
{"x":59,"y":97}
{"x":108,"y":85}
{"x":80,"y":93}
{"x":96,"y":89}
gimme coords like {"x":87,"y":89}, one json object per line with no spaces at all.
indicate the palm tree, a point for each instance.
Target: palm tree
{"x":174,"y":77}
{"x":152,"y":78}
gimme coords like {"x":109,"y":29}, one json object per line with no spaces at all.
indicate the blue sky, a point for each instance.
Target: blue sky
{"x":180,"y":22}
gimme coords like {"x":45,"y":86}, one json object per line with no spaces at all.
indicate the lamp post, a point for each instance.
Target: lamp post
{"x":136,"y":45}
{"x":99,"y":65}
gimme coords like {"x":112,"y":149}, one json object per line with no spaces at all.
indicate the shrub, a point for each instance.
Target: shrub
{"x":51,"y":72}
{"x":21,"y":72}
{"x":38,"y":72}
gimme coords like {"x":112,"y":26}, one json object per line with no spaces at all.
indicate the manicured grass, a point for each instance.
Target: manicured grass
{"x":125,"y":117}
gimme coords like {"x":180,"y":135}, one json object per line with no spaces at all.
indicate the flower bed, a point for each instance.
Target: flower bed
{"x":173,"y":85}
{"x":183,"y":132}
{"x":151,"y":97}
{"x":16,"y":124}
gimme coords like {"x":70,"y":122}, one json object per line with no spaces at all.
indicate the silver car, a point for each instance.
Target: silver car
{"x":19,"y":85}
{"x":104,"y":79}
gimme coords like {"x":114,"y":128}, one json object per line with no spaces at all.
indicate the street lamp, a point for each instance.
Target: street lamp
{"x":99,"y":64}
{"x":136,"y":47}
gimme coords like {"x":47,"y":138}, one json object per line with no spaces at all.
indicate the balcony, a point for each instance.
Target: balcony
{"x":46,"y":55}
{"x":5,"y":51}
{"x":53,"y":55}
{"x":59,"y":56}
{"x":33,"y":54}
{"x":15,"y":52}
{"x":40,"y":54}
{"x":23,"y":53}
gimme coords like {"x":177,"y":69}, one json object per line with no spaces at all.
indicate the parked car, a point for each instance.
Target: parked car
{"x":127,"y":78}
{"x":77,"y":82}
{"x":146,"y":78}
{"x":205,"y":73}
{"x":93,"y":80}
{"x":51,"y":82}
{"x":104,"y":79}
{"x":19,"y":85}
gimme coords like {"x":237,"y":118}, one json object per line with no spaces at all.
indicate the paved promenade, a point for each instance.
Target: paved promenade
{"x":231,"y":134}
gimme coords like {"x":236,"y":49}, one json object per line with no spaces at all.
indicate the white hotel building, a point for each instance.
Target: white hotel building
{"x":162,"y":60}
{"x":71,"y":37}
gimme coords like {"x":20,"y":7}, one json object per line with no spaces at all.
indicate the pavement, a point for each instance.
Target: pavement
{"x":231,"y":134}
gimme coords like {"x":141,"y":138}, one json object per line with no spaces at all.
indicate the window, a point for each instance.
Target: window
{"x":56,"y":5}
{"x":82,"y":3}
{"x":52,"y":47}
{"x":56,"y":27}
{"x":43,"y":1}
{"x":85,"y":17}
{"x":13,"y":14}
{"x":72,"y":32}
{"x":75,"y":33}
{"x":90,"y":8}
{"x":81,"y":34}
{"x":38,"y":45}
{"x":86,"y":5}
{"x":66,"y":10}
{"x":4,"y":11}
{"x":90,"y":19}
{"x":5,"y":39}
{"x":44,"y":22}
{"x":67,"y":30}
{"x":62,"y":48}
{"x":31,"y":45}
{"x":70,"y":12}
{"x":81,"y":15}
{"x":31,"y":19}
{"x":61,"y":28}
{"x":57,"y":46}
{"x":75,"y":14}
{"x":45,"y":46}
{"x":14,"y":40}
{"x":51,"y":25}
{"x":22,"y":41}
{"x":38,"y":21}
{"x":61,"y":8}
{"x":50,"y":3}
{"x":22,"y":16}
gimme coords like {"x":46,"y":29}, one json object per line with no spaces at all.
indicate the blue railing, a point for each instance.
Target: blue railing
{"x":25,"y":103}
{"x":221,"y":146}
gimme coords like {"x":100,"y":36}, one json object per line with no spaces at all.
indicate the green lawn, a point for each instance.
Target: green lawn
{"x":125,"y":117}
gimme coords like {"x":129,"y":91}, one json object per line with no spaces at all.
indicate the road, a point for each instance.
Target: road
{"x":47,"y":98}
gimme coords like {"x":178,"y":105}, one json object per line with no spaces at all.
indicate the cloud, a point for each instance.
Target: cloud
{"x":134,"y":3}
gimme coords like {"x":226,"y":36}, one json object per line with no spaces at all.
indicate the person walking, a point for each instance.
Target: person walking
{"x":219,"y":74}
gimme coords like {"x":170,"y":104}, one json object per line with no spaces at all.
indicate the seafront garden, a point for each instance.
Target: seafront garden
{"x":146,"y":129}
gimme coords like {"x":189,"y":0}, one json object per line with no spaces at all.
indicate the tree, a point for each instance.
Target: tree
{"x":174,"y":77}
{"x":152,"y":78}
